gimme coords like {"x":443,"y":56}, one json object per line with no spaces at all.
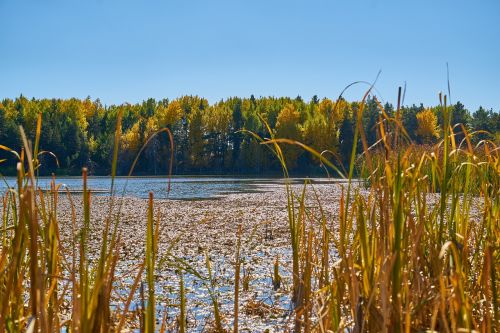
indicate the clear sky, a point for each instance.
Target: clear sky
{"x":126,"y":51}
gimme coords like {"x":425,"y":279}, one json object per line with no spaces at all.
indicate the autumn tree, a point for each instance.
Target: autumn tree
{"x":169,"y":115}
{"x":217,"y":122}
{"x":427,"y":126}
{"x":288,"y":127}
{"x":321,"y":129}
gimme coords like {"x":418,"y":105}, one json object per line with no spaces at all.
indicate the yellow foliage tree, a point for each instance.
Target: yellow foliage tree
{"x":427,"y":128}
{"x":321,"y":129}
{"x":151,"y":127}
{"x":331,"y":110}
{"x":288,"y":127}
{"x":319,"y":135}
{"x":217,"y":119}
{"x":326,"y":107}
{"x":131,"y":140}
{"x":169,"y":115}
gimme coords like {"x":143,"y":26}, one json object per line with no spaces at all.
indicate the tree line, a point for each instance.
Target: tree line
{"x":211,"y":138}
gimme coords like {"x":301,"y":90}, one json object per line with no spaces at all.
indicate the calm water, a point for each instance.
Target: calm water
{"x":182,"y":188}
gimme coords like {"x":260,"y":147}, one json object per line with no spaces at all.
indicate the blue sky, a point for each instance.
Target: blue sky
{"x":127,"y":51}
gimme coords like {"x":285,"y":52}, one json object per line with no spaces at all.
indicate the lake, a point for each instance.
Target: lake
{"x":182,"y":188}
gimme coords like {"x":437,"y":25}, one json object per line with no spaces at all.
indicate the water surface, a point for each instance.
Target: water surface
{"x":182,"y":188}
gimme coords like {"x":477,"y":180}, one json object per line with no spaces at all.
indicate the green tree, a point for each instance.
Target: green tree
{"x":409,"y":119}
{"x":485,"y":120}
{"x":346,"y":134}
{"x":196,"y":139}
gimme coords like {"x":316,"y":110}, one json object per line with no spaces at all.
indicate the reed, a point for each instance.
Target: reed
{"x":182,"y":312}
{"x":406,"y":263}
{"x":150,"y":268}
{"x":237,"y":280}
{"x":32,"y":255}
{"x":418,"y":249}
{"x":276,"y":275}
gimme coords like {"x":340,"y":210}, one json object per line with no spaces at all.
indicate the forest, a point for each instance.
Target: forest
{"x":212,"y":139}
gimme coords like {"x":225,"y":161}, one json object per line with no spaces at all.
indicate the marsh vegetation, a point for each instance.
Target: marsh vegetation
{"x":414,"y":248}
